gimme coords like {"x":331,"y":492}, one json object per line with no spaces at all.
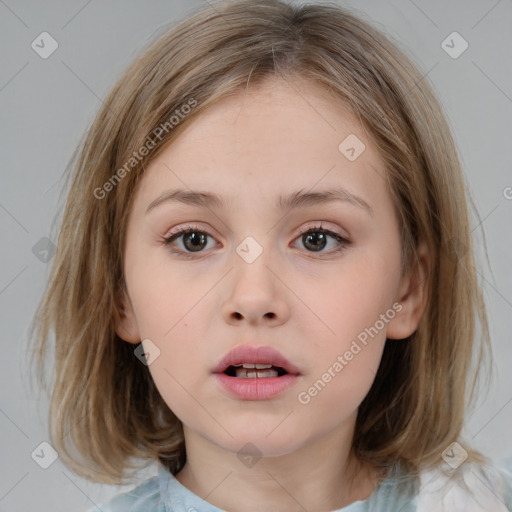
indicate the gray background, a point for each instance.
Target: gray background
{"x":47,"y":104}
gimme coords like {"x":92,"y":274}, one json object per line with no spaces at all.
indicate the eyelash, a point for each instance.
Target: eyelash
{"x":343,"y":242}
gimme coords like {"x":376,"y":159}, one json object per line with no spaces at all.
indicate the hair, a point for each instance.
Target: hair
{"x":105,"y":411}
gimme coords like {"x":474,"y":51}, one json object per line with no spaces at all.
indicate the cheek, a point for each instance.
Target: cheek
{"x":163,"y":295}
{"x":355,"y":310}
{"x":172,"y":311}
{"x":353,"y":297}
{"x":180,"y":370}
{"x":345,"y":368}
{"x":174,"y":378}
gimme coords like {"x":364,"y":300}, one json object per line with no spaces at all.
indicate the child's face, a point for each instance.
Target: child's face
{"x":309,"y":305}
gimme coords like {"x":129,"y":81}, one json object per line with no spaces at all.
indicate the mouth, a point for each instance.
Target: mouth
{"x":249,"y":362}
{"x":254,"y":371}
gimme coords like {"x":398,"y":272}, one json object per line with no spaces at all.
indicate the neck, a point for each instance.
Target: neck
{"x":324,"y":475}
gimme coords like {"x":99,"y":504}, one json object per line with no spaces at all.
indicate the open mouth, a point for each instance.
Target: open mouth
{"x":254,"y":371}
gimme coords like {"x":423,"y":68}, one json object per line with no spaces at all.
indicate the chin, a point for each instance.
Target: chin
{"x":258,"y":443}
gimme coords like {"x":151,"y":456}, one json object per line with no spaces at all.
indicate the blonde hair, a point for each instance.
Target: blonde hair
{"x":105,"y":408}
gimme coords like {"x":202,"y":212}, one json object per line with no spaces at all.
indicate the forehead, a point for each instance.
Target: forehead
{"x":276,"y":138}
{"x":277,"y":113}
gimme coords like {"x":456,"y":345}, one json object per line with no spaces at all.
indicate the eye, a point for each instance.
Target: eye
{"x":316,"y":238}
{"x":194,"y":240}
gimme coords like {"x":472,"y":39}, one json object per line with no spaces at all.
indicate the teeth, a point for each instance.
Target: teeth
{"x":244,"y":373}
{"x":251,"y":365}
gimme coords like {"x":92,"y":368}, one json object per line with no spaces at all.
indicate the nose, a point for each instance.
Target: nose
{"x":256,"y":295}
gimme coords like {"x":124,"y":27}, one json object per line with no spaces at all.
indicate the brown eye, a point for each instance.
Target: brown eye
{"x":316,"y":239}
{"x":193,"y":240}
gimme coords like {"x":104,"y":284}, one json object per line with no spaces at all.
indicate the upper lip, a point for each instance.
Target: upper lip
{"x":252,"y":354}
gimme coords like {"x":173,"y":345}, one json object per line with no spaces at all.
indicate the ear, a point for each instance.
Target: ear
{"x":126,"y":323}
{"x":412,"y":296}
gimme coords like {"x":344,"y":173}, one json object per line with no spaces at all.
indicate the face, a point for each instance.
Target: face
{"x":252,"y":273}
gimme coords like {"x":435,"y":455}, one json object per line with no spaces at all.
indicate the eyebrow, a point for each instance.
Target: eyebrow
{"x":299,"y":199}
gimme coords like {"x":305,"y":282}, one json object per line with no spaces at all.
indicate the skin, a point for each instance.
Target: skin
{"x":276,"y":138}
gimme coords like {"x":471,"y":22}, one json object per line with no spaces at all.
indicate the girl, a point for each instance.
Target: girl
{"x":265,"y":279}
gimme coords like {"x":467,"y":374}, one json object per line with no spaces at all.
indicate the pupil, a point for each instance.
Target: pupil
{"x":315,"y":237}
{"x":196,"y":238}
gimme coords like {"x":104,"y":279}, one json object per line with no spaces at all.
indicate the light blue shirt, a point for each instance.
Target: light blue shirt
{"x":491,"y":491}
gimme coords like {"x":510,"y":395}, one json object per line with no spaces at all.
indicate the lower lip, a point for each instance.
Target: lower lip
{"x":258,"y":388}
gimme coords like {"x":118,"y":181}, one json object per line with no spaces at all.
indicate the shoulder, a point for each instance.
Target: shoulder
{"x":470,"y":488}
{"x":143,"y":498}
